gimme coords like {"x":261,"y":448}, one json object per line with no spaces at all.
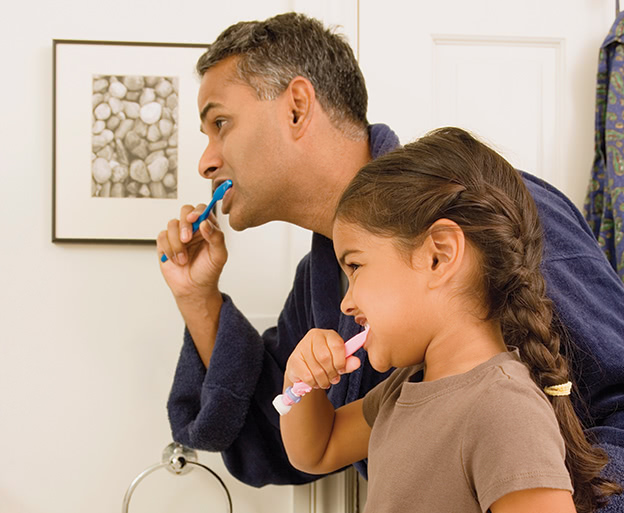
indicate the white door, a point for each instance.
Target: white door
{"x":521,"y":75}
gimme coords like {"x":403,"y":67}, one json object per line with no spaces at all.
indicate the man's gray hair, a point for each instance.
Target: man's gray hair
{"x":273,"y":52}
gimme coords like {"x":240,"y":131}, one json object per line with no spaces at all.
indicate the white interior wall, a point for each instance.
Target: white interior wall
{"x":90,"y":334}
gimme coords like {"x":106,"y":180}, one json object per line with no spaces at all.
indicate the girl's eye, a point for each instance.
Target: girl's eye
{"x":353,"y":267}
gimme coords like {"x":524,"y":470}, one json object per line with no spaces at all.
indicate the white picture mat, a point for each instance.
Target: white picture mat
{"x":78,"y":215}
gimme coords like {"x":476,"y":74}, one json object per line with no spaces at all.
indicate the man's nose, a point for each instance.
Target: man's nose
{"x":210,"y":161}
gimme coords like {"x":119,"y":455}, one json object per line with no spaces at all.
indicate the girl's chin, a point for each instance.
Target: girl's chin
{"x":379,"y":366}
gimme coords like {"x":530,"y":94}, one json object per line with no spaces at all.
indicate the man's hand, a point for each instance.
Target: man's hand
{"x":195,"y":261}
{"x":192,"y":271}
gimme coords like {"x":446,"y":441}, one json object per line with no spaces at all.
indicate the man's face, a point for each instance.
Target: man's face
{"x":247,"y":143}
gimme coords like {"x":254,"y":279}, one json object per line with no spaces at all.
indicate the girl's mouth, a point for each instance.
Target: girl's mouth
{"x":361,"y":320}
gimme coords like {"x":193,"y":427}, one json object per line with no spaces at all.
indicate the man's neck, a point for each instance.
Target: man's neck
{"x":331,"y":173}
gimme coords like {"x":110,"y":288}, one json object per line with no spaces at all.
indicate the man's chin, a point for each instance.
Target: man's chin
{"x":239,"y":224}
{"x":238,"y":228}
{"x":240,"y":219}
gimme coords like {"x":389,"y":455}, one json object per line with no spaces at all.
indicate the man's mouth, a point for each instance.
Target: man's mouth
{"x":226,"y":203}
{"x":216,"y":183}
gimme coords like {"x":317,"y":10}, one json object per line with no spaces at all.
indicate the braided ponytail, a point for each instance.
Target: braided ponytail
{"x":527,"y":321}
{"x":450,"y":175}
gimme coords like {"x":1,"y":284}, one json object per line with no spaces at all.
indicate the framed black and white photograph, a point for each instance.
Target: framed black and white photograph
{"x":126,"y":139}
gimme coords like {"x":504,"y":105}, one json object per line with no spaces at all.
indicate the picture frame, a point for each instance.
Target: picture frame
{"x":126,"y":139}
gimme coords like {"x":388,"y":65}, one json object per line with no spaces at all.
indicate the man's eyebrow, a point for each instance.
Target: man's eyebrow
{"x":207,"y":108}
{"x":346,"y":253}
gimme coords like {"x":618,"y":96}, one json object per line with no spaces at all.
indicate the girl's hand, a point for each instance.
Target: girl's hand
{"x":319,"y":360}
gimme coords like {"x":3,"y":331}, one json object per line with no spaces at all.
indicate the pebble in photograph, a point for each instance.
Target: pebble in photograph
{"x":135,"y":137}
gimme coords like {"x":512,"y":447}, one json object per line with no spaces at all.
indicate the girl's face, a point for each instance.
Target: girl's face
{"x":387,"y":292}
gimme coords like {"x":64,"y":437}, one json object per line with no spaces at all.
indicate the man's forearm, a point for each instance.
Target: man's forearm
{"x":202,"y":321}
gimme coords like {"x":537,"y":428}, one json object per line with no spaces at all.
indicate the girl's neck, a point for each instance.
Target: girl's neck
{"x":462,"y":347}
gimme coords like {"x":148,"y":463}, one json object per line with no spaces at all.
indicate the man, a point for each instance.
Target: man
{"x":283,"y":103}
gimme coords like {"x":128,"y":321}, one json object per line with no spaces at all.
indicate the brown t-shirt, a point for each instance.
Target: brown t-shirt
{"x":462,"y":442}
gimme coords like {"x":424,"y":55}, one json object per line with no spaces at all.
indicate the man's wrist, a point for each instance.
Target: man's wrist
{"x":207,"y":306}
{"x":201,"y":316}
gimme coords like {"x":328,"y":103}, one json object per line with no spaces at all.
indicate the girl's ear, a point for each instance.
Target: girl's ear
{"x":443,"y":251}
{"x":301,"y":98}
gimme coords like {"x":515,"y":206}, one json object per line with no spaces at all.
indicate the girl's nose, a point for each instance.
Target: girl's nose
{"x":347,"y":306}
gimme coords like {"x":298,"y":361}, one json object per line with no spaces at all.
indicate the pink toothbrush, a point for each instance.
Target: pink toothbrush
{"x":292,"y":395}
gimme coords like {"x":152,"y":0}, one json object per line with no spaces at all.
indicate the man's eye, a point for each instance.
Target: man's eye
{"x":219,"y":123}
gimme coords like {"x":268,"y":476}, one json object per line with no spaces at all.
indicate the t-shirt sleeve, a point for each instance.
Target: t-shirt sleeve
{"x":375,"y":397}
{"x":513,"y":443}
{"x":370,"y":406}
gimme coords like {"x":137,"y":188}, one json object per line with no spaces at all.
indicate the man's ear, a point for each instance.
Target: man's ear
{"x":301,"y":98}
{"x":443,"y":251}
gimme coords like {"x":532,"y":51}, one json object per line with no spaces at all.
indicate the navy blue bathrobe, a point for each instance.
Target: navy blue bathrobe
{"x":227,"y":408}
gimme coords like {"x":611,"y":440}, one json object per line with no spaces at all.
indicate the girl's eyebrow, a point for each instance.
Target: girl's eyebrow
{"x":346,"y":253}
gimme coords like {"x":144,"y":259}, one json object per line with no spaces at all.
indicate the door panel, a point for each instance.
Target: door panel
{"x":514,"y":79}
{"x":519,"y":74}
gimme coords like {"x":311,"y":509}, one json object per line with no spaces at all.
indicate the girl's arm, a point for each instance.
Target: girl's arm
{"x":535,"y":499}
{"x":317,"y":438}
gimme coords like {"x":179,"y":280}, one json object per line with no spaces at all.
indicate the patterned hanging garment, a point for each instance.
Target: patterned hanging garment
{"x":604,"y":204}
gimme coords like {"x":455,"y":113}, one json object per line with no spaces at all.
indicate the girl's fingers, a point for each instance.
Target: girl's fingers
{"x":319,"y":359}
{"x":352,"y":363}
{"x":329,"y":353}
{"x":336,"y":345}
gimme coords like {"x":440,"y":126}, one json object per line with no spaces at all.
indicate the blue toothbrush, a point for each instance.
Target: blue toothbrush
{"x":216,"y":196}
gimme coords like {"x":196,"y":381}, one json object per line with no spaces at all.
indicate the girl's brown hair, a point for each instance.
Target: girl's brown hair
{"x":448,"y":174}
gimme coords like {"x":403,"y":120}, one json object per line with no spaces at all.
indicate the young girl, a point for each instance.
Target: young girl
{"x":442,"y":245}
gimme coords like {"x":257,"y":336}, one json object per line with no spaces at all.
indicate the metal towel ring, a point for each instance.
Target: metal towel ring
{"x":175,"y":458}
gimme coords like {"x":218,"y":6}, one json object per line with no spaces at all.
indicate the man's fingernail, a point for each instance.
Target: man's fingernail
{"x":181,"y":258}
{"x":185,"y":234}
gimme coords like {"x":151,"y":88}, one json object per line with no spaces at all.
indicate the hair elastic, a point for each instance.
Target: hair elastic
{"x":559,"y":390}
